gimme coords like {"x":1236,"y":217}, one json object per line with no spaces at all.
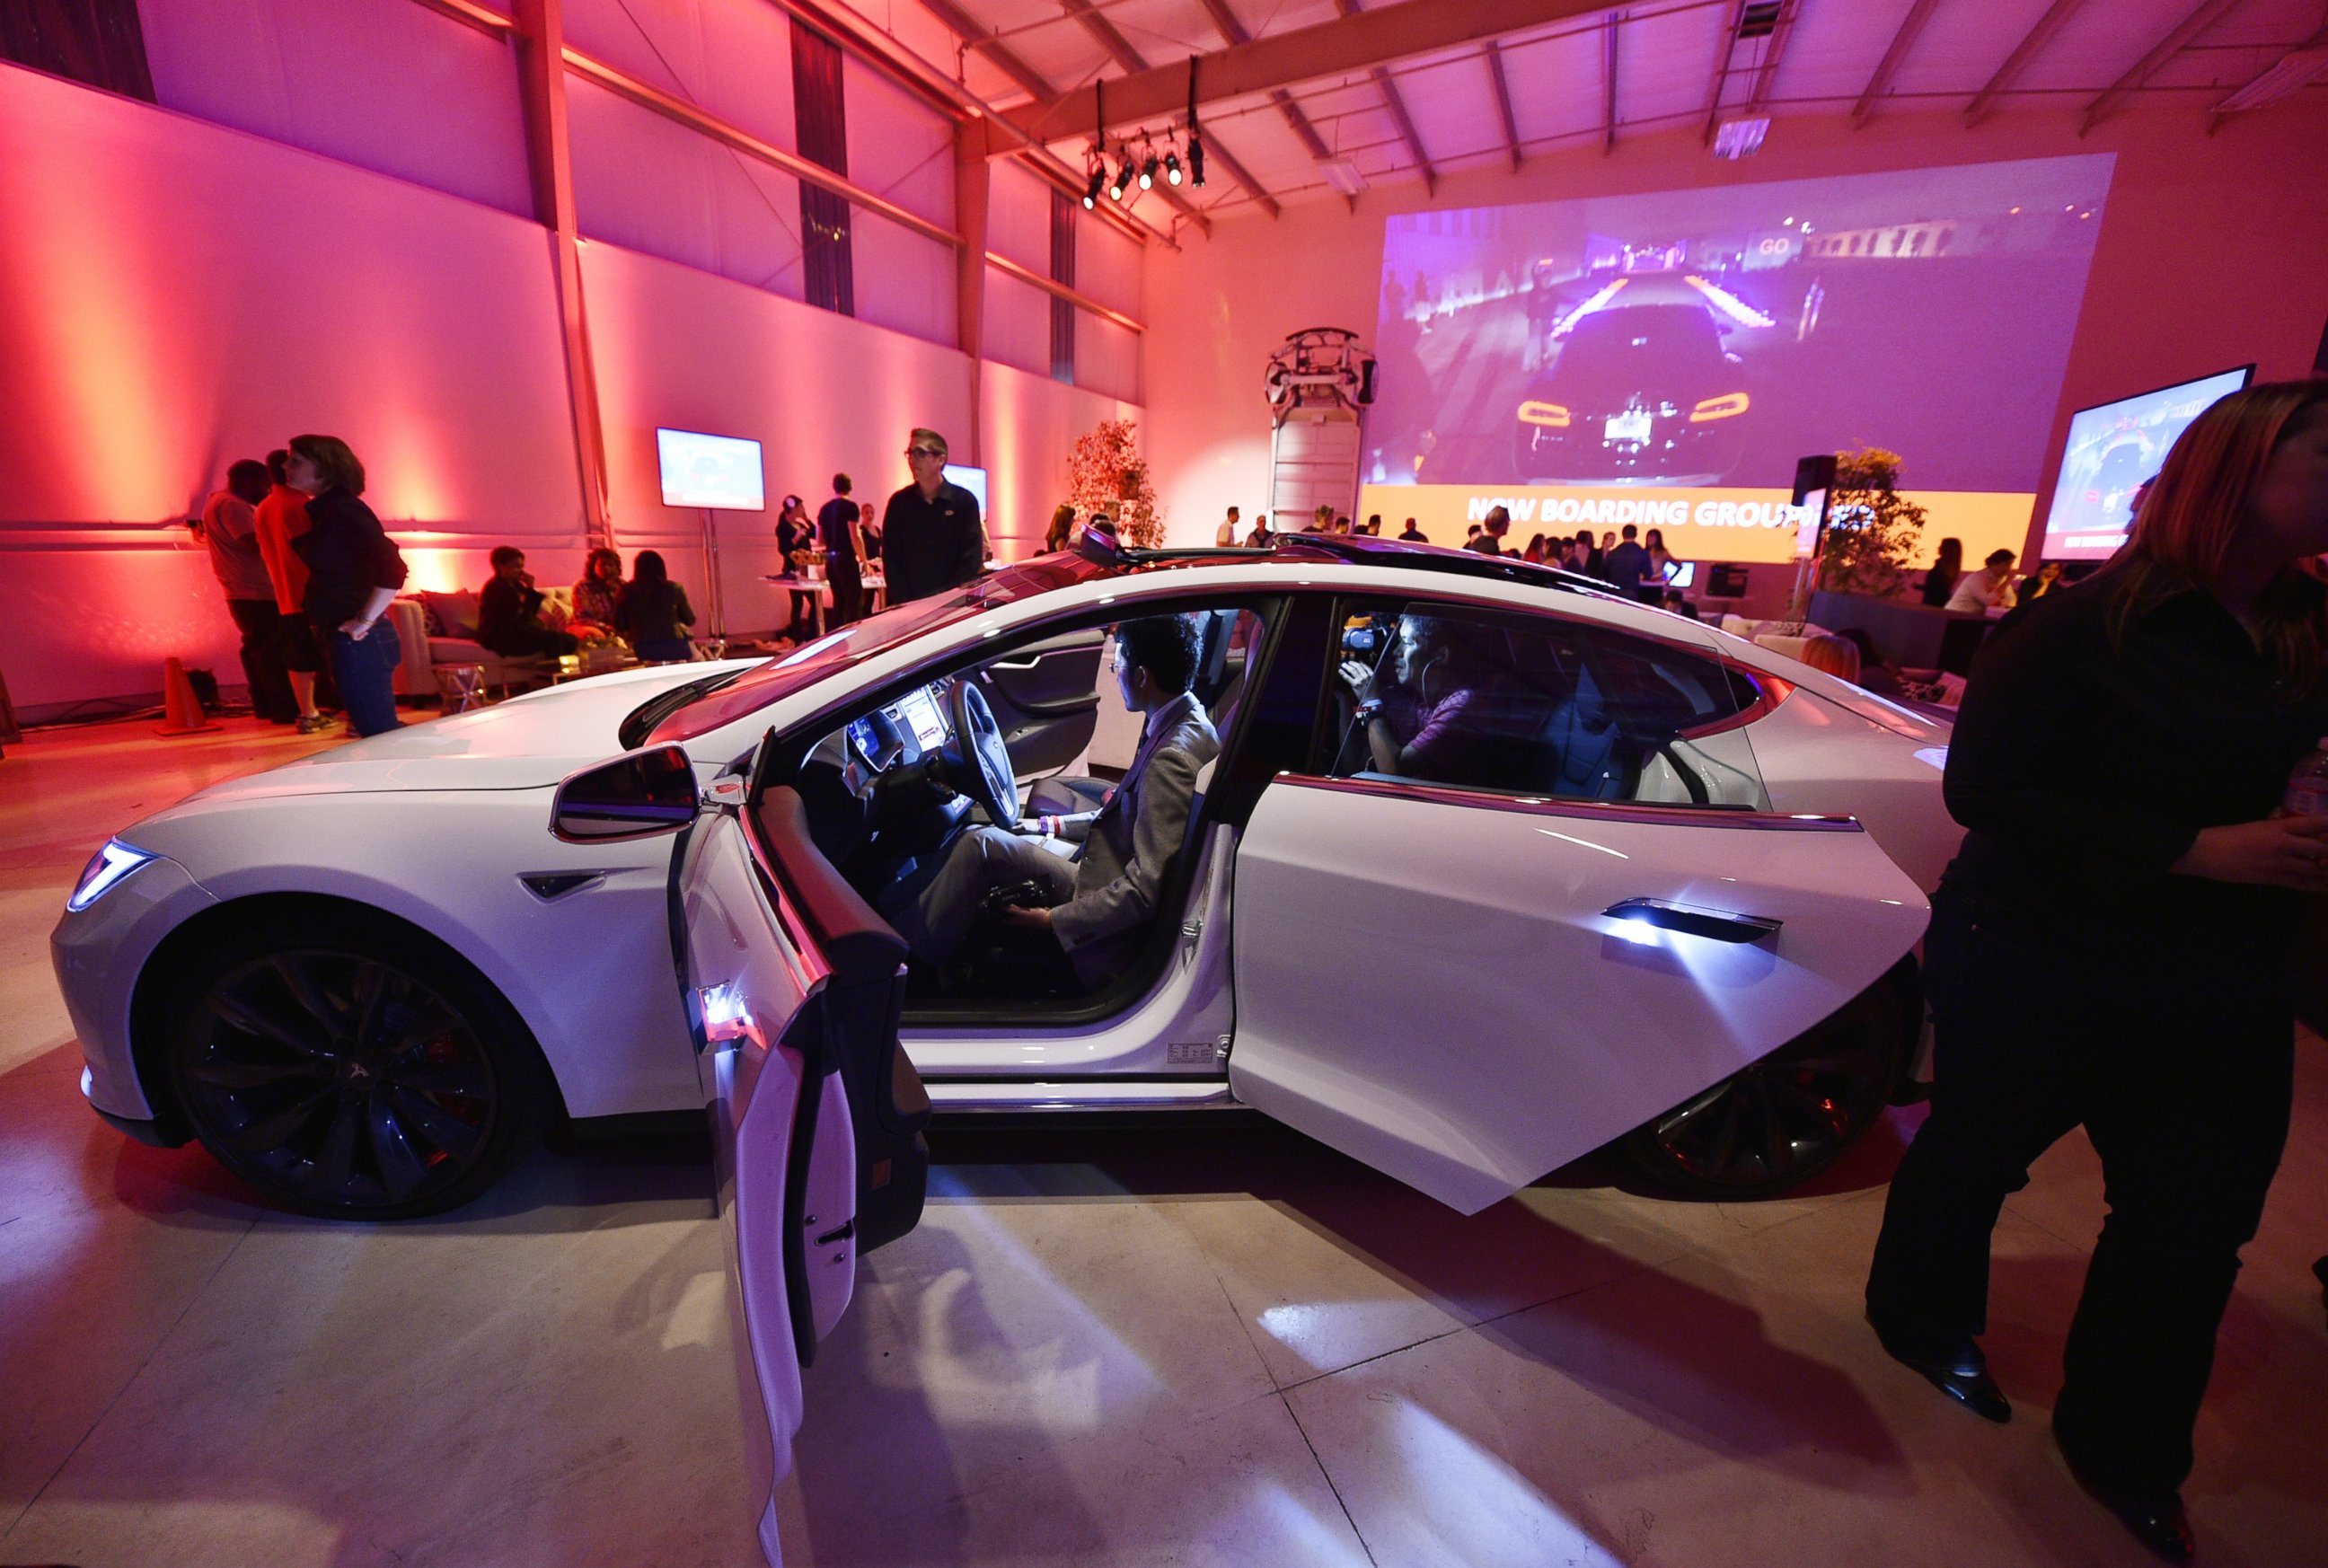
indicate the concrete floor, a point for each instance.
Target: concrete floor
{"x":1233,"y":1348}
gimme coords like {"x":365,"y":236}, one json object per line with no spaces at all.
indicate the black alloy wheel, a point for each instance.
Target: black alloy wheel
{"x":346,"y":1069}
{"x":1781,"y":1121}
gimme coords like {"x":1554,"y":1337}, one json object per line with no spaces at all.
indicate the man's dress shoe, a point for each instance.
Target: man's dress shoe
{"x":2155,"y":1518}
{"x":1955,"y":1367}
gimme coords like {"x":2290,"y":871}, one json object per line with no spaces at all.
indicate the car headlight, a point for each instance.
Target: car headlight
{"x":106,"y":869}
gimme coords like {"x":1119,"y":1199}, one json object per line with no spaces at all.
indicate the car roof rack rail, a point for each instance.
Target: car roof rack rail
{"x":1100,"y":546}
{"x":1354,"y":550}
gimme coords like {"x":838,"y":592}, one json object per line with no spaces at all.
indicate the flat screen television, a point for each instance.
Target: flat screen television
{"x":721,"y":472}
{"x":2111,"y":449}
{"x":970,"y":479}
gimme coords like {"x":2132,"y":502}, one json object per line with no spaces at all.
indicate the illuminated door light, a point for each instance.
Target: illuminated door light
{"x":1534,"y":413}
{"x":1727,"y":406}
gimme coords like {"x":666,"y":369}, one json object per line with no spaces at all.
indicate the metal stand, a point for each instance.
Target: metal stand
{"x":715,"y":610}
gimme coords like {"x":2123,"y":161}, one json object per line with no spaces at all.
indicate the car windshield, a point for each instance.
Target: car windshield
{"x":805,"y":666}
{"x":1618,"y":352}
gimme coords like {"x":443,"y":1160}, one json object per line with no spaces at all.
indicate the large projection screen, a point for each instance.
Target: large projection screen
{"x":2113,"y":447}
{"x":1664,"y":359}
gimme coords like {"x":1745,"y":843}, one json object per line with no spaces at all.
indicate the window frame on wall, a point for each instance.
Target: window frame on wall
{"x":1063,"y":272}
{"x":99,"y":42}
{"x":820,"y":125}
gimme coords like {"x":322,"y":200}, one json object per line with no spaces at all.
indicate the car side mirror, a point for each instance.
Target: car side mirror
{"x":635,"y":796}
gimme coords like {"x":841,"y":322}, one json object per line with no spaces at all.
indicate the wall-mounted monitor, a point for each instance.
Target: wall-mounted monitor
{"x":970,"y":479}
{"x":721,"y":472}
{"x":2111,"y":449}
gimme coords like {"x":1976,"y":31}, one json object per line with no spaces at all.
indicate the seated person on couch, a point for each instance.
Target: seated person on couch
{"x":509,"y":612}
{"x":1099,"y":871}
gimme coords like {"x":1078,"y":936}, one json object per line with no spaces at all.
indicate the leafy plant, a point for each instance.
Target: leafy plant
{"x":1873,"y":531}
{"x":1107,"y":474}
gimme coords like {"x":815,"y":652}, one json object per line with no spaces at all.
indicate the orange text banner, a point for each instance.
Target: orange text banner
{"x":1699,"y":525}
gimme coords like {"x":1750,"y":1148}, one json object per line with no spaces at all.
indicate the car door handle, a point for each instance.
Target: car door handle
{"x":1715,"y":924}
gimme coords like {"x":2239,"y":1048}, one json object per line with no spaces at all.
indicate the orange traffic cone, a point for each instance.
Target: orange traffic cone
{"x":182,"y":714}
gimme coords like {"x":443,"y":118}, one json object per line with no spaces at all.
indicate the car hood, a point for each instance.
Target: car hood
{"x":525,"y":742}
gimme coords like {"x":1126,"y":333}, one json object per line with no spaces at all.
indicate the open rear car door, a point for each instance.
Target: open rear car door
{"x":1467,"y":989}
{"x":793,"y":986}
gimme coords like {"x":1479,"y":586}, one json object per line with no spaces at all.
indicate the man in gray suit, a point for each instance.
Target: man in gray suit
{"x":1101,"y":871}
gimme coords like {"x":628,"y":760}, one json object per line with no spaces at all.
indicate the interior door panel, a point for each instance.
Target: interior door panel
{"x":1460,"y":989}
{"x":794,"y":986}
{"x":1046,"y":699}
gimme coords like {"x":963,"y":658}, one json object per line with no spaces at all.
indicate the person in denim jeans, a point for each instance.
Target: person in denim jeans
{"x":353,"y":571}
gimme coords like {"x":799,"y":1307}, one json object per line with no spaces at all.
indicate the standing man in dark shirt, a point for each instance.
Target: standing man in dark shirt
{"x":1627,"y":564}
{"x":836,"y":529}
{"x":1489,"y":541}
{"x":931,"y":536}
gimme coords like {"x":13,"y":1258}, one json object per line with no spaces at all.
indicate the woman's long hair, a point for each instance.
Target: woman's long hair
{"x":2193,"y":513}
{"x":648,"y":571}
{"x":600,"y":557}
{"x":1063,"y":523}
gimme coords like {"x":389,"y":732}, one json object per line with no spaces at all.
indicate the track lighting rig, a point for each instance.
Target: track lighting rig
{"x":1172,"y":157}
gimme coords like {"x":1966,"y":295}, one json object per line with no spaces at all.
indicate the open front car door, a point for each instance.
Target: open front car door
{"x":793,"y":986}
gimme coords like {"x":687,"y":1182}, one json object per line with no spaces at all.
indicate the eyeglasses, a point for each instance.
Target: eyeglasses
{"x":923,"y":452}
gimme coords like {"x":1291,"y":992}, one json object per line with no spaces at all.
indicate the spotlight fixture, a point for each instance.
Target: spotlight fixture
{"x":1122,"y":180}
{"x":1097,"y":183}
{"x":1148,"y":172}
{"x":1172,"y":168}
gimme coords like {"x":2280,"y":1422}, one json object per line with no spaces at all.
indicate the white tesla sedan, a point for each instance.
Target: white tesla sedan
{"x":1653,"y":885}
{"x":1667,"y":892}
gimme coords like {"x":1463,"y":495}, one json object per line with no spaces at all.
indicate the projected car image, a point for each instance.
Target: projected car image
{"x":1641,"y":394}
{"x":1712,"y":336}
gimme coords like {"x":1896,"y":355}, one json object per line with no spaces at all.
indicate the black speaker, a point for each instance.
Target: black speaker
{"x":1813,"y":475}
{"x":1367,"y":380}
{"x":1725,"y":582}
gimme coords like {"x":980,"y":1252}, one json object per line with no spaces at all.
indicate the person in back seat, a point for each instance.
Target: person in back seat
{"x":1434,"y":718}
{"x":1101,"y":871}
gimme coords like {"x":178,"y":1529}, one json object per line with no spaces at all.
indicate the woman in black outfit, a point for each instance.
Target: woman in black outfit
{"x":2122,"y":750}
{"x":796,"y":534}
{"x":651,"y":611}
{"x":353,"y":571}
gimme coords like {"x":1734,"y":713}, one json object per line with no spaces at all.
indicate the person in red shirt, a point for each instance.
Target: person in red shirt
{"x":230,"y":529}
{"x":282,"y":517}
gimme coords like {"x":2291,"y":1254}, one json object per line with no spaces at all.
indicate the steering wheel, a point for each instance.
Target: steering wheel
{"x":977,"y":762}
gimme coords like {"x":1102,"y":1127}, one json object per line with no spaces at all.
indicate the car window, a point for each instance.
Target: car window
{"x":1431,"y":693}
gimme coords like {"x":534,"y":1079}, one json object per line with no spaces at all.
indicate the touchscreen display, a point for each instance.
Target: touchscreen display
{"x":919,"y":709}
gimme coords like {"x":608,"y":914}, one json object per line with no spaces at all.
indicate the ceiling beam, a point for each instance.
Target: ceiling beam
{"x":2229,"y":104}
{"x":1766,"y":71}
{"x":1765,"y":66}
{"x":2032,"y":44}
{"x":1345,"y":45}
{"x":1003,"y":58}
{"x":1119,"y":49}
{"x":1608,"y":90}
{"x":1911,"y":27}
{"x":1233,"y":31}
{"x":2205,"y":15}
{"x":1000,"y":138}
{"x":1496,"y":78}
{"x":1396,"y":102}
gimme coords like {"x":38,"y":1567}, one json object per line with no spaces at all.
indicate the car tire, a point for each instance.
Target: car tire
{"x":1777,"y":1124}
{"x":351,"y":1067}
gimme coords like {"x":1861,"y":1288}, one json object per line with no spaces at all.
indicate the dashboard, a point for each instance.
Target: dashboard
{"x":902,"y":732}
